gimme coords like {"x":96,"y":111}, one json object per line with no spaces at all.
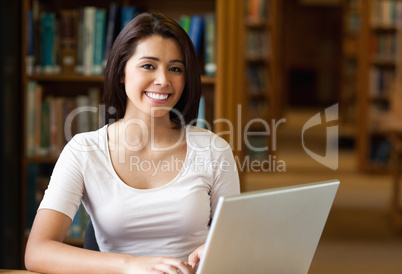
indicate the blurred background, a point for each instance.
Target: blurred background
{"x":278,"y":61}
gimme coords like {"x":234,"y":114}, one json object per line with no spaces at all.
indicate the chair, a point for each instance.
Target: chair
{"x":89,"y":238}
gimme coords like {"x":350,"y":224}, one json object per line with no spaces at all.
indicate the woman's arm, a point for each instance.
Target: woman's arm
{"x":46,"y":252}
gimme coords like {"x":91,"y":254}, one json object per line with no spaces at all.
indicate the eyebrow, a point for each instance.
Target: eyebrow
{"x":157,"y":59}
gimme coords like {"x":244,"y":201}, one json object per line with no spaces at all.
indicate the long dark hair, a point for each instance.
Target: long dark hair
{"x":143,"y":26}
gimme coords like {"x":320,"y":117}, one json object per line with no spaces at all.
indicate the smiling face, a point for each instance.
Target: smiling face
{"x":154,"y":78}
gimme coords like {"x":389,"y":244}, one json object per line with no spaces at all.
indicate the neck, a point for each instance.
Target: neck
{"x":139,"y":133}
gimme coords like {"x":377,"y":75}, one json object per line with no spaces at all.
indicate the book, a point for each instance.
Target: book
{"x":37,"y":117}
{"x":127,"y":14}
{"x":210,"y":44}
{"x":256,"y":11}
{"x":201,"y":120}
{"x":68,"y":40}
{"x":383,"y":13}
{"x":196,"y":31}
{"x":30,"y":55}
{"x":56,"y":125}
{"x":184,"y":22}
{"x":381,"y":81}
{"x":36,"y":8}
{"x":99,"y":41}
{"x":56,"y":47}
{"x":48,"y":26}
{"x":111,"y":32}
{"x":31,"y":204}
{"x":69,"y":125}
{"x":88,"y":40}
{"x":80,"y":41}
{"x":60,"y":118}
{"x":30,"y":118}
{"x":53,"y":126}
{"x":45,"y":128}
{"x":258,"y":44}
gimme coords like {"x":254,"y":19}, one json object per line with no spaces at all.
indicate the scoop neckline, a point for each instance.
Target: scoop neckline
{"x":121,"y":182}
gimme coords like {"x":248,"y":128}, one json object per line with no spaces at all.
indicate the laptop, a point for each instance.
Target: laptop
{"x":268,"y":231}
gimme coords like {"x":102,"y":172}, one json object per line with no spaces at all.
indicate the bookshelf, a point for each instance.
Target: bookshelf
{"x":262,"y":84}
{"x":351,"y":17}
{"x":378,"y":66}
{"x":222,"y":91}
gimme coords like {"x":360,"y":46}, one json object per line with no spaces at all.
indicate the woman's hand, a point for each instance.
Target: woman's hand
{"x":158,"y":265}
{"x":195,"y":257}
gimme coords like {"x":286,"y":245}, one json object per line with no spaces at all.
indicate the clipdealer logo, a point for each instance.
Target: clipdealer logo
{"x":268,"y":164}
{"x":330,"y":159}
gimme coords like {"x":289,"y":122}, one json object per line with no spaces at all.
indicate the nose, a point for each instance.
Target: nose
{"x":162,"y":79}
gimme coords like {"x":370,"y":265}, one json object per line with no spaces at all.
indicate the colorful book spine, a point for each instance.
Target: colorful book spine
{"x":88,"y":40}
{"x":68,"y":40}
{"x":45,"y":127}
{"x":56,"y":126}
{"x":201,"y":120}
{"x":184,"y":22}
{"x":196,"y":31}
{"x":32,"y":174}
{"x":384,"y":13}
{"x":48,"y":24}
{"x":53,"y":126}
{"x":38,"y":121}
{"x":30,"y":118}
{"x":56,"y":47}
{"x":37,"y":36}
{"x":69,"y":126}
{"x":210,"y":44}
{"x":127,"y":14}
{"x":111,"y":29}
{"x":30,"y":55}
{"x":99,"y":41}
{"x":256,"y":11}
{"x":83,"y":117}
{"x":80,"y":39}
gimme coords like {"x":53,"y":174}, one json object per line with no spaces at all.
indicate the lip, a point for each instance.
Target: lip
{"x":155,"y":100}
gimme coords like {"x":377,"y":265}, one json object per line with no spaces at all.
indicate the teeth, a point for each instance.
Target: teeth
{"x":157,"y":96}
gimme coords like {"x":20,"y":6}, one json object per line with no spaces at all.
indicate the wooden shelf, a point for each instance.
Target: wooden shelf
{"x":258,"y":60}
{"x":380,"y":62}
{"x":261,"y":62}
{"x":372,"y":66}
{"x":263,"y":24}
{"x":381,"y":97}
{"x":383,"y":28}
{"x":208,"y":80}
{"x":65,"y":78}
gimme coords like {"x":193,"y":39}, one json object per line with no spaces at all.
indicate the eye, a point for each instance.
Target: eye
{"x":176,"y":69}
{"x":148,"y":66}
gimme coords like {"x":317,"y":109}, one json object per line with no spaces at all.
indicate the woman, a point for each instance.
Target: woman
{"x":149,"y":179}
